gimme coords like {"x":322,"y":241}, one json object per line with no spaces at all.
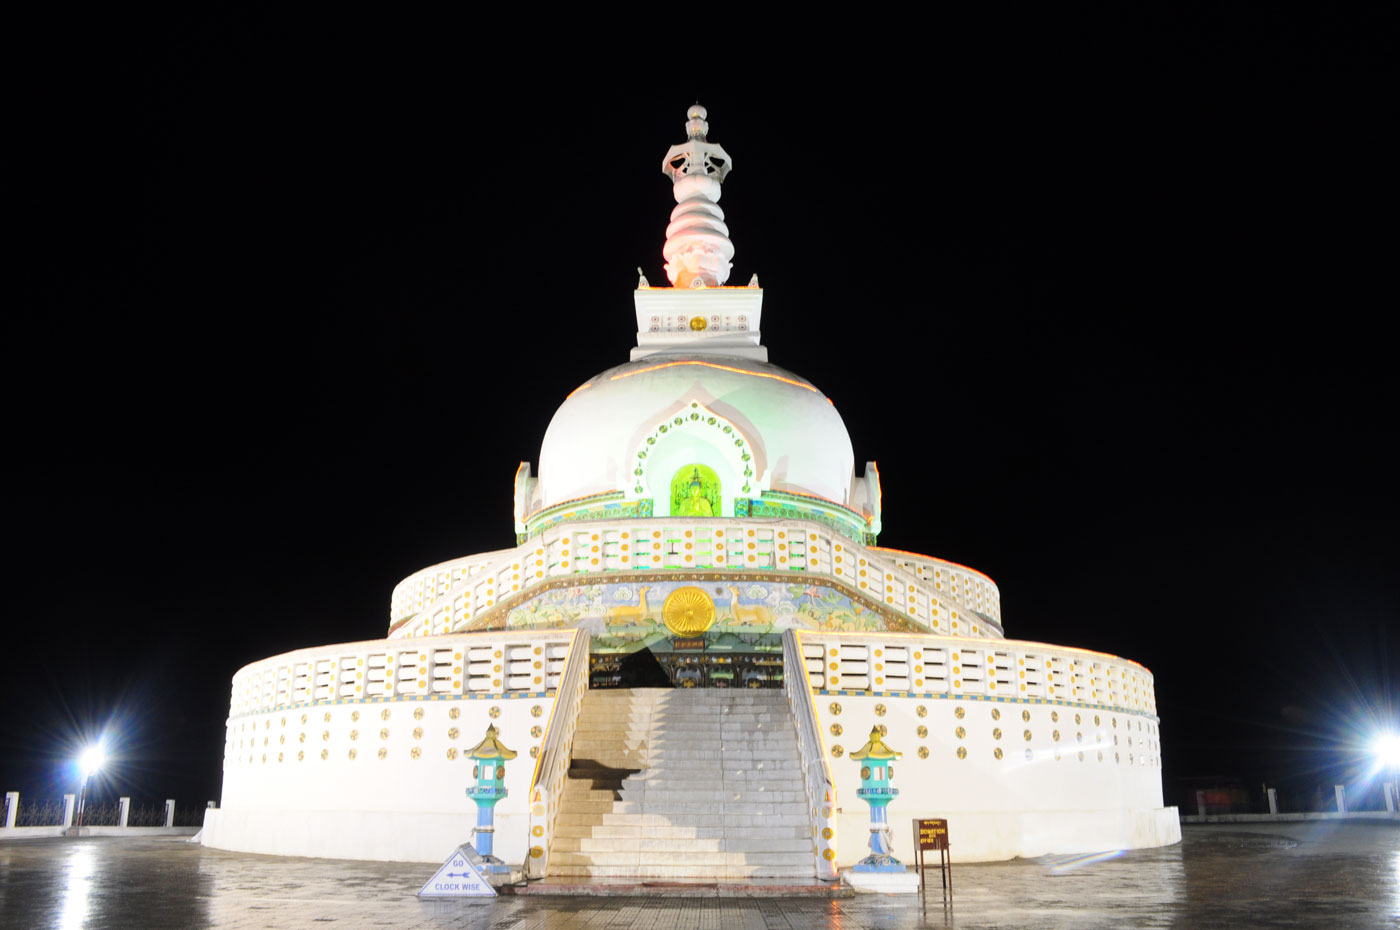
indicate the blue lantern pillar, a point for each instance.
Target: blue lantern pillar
{"x":876,"y":773}
{"x":490,"y":757}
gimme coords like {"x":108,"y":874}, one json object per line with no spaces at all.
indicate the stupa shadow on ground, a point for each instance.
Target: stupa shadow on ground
{"x":1323,"y":875}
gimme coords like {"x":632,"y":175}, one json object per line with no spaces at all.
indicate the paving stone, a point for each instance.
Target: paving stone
{"x":1302,"y":876}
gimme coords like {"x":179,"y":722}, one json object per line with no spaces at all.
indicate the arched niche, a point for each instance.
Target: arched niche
{"x":694,"y":437}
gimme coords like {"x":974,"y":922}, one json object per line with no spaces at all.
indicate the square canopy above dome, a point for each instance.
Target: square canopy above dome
{"x":700,"y":321}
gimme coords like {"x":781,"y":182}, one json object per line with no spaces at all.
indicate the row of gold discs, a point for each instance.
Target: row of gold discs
{"x":415,"y":752}
{"x":921,"y":732}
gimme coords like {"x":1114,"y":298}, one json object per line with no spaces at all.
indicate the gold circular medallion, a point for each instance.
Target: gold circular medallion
{"x":698,"y":323}
{"x":688,"y":612}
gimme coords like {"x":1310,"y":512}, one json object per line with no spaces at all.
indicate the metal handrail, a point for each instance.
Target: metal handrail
{"x":557,"y":753}
{"x":821,"y":793}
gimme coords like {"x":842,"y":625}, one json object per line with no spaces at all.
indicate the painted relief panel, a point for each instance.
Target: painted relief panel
{"x":637,"y":613}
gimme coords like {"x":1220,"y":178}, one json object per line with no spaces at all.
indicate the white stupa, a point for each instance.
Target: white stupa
{"x":696,"y":527}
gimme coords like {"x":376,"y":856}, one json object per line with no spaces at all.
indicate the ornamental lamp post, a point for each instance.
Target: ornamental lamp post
{"x":490,"y":773}
{"x":876,"y":772}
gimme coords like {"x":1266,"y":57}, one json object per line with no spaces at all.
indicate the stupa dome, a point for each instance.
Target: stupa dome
{"x":644,"y":426}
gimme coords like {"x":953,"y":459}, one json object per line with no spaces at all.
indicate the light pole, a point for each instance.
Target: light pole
{"x":90,"y":762}
{"x":1386,"y":749}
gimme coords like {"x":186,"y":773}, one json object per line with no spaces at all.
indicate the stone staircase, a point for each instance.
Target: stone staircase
{"x":684,"y":784}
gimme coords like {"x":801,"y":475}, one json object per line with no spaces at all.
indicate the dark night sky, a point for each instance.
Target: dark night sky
{"x":290,"y":298}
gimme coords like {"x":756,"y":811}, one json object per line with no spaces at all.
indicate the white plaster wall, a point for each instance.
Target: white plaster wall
{"x":400,"y":807}
{"x":1007,"y":807}
{"x":994,"y":836}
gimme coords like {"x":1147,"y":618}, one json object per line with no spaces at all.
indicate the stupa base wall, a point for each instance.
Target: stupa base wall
{"x":995,"y":836}
{"x":385,"y":836}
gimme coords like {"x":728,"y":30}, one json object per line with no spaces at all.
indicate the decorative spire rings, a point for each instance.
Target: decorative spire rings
{"x":697,"y":250}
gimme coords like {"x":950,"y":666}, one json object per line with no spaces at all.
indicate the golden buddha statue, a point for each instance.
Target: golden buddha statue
{"x":694,"y":503}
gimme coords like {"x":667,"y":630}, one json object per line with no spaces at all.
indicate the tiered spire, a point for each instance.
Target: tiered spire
{"x":697,"y":250}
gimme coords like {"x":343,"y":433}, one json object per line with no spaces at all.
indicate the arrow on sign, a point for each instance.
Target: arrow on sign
{"x":458,"y":878}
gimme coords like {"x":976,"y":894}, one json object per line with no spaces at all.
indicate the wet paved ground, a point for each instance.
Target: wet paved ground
{"x":1339,"y":876}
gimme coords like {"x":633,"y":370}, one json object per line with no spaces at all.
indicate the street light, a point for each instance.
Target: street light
{"x":1386,"y":748}
{"x":89,"y":762}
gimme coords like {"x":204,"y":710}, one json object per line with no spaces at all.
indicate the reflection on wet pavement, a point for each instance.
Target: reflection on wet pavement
{"x":1303,"y":875}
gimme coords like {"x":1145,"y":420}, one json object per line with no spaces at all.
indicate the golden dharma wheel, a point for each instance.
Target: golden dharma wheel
{"x":688,"y":612}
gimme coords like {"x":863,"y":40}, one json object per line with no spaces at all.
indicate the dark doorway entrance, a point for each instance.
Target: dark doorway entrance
{"x":641,"y":669}
{"x":725,"y":660}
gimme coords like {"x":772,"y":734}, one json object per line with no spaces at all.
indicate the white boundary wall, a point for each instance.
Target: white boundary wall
{"x":1014,"y":776}
{"x":380,"y":776}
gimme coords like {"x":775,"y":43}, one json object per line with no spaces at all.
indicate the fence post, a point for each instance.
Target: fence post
{"x":125,"y":810}
{"x":1201,"y":803}
{"x":170,"y":812}
{"x":68,"y":801}
{"x":11,"y":808}
{"x":1273,"y":801}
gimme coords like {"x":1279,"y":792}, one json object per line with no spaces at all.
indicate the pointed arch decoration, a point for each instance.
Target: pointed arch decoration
{"x":717,"y":435}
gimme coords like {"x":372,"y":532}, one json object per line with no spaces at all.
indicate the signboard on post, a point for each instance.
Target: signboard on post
{"x":933,"y":835}
{"x":458,"y":878}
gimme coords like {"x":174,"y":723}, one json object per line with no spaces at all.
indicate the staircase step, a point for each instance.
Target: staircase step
{"x":680,"y":872}
{"x":694,"y":858}
{"x":685,"y":813}
{"x":684,"y":784}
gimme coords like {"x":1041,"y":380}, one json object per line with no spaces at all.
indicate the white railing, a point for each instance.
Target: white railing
{"x":941,"y":596}
{"x":1005,"y":669}
{"x":553,"y":767}
{"x":424,"y":589}
{"x":821,"y":793}
{"x":497,"y":663}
